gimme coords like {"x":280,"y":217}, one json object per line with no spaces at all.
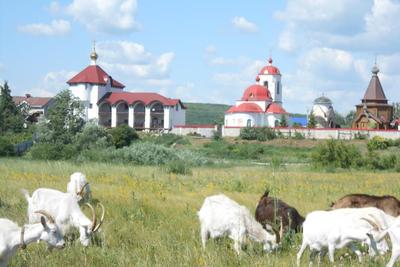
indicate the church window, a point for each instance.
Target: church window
{"x":266,"y":83}
{"x":251,"y":95}
{"x":278,"y":84}
{"x":176,"y":107}
{"x":90,"y":105}
{"x":248,"y":123}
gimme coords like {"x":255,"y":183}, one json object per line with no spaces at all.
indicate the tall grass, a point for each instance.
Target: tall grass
{"x":151,"y":214}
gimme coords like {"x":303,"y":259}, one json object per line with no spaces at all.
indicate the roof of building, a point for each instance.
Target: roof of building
{"x":276,"y":109}
{"x":245,"y":108}
{"x":269,"y":69}
{"x":374,"y":91}
{"x":322,"y":100}
{"x":37,"y":102}
{"x":256,"y":92}
{"x":144,"y":97}
{"x":94,"y":74}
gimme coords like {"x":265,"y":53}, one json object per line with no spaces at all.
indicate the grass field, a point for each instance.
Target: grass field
{"x":151,"y":215}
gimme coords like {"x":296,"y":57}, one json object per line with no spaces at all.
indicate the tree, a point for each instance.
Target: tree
{"x":396,"y":110}
{"x":123,"y":135}
{"x":63,"y":121}
{"x":11,"y":119}
{"x":350,"y":118}
{"x":283,"y":122}
{"x":312,"y":121}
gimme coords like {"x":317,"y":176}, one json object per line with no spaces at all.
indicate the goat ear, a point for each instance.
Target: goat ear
{"x":43,"y":221}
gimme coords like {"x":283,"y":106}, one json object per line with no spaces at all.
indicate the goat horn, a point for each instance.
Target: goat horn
{"x":47,"y":215}
{"x":94,"y":219}
{"x":103,"y":211}
{"x":83,"y":188}
{"x":377,"y":222}
{"x":281,"y":230}
{"x":374,"y":225}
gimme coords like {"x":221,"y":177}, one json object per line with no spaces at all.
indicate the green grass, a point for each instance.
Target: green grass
{"x":151,"y":214}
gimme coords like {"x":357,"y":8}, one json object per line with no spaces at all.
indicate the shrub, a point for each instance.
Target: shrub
{"x":123,"y":135}
{"x":336,"y":154}
{"x":377,"y":142}
{"x":178,"y":167}
{"x":260,"y":134}
{"x":298,"y":136}
{"x":6,"y":147}
{"x":216,"y":135}
{"x":48,"y":151}
{"x":166,"y":139}
{"x":93,"y":136}
{"x":376,"y":162}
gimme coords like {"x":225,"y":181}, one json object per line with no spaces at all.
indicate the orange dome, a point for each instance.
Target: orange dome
{"x":256,"y":92}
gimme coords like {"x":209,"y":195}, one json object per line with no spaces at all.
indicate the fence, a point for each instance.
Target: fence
{"x":22,"y":147}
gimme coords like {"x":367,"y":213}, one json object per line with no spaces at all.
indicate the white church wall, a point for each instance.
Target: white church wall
{"x":241,"y":119}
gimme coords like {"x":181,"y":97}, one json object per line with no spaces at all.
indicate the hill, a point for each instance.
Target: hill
{"x":201,"y":113}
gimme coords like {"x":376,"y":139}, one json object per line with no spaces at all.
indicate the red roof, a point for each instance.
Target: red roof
{"x":270,"y":69}
{"x":256,"y":92}
{"x":32,"y":101}
{"x":275,"y":108}
{"x":245,"y":108}
{"x":94,"y":74}
{"x":144,"y":97}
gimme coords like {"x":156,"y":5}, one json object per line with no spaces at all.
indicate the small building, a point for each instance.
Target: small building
{"x":261,"y":103}
{"x":34,"y":108}
{"x":323,"y":112}
{"x":374,"y":112}
{"x":105,"y":101}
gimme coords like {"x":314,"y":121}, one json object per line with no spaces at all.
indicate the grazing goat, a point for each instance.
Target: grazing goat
{"x":394,"y":234}
{"x":220,"y":215}
{"x":342,"y":227}
{"x":269,"y":210}
{"x":79,"y":186}
{"x":13,"y":237}
{"x":388,"y":204}
{"x":65,"y":209}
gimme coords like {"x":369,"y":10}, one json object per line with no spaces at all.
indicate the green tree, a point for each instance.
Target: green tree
{"x":11,"y":119}
{"x":63,"y":121}
{"x":340,"y":119}
{"x":283,"y":122}
{"x":312,"y":121}
{"x":350,"y":118}
{"x":123,"y":135}
{"x":396,"y":110}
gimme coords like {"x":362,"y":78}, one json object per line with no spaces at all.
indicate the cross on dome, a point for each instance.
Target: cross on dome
{"x":93,"y":55}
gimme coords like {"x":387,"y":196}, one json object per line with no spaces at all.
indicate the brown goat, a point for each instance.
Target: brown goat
{"x":389,"y":204}
{"x":272,"y":210}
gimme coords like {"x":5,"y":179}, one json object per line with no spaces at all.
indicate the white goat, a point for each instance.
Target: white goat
{"x":220,"y":215}
{"x":335,"y":229}
{"x":79,"y":186}
{"x":394,"y":234}
{"x":65,"y":209}
{"x":13,"y":237}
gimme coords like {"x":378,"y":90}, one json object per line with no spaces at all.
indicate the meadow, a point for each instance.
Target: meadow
{"x":151,"y":215}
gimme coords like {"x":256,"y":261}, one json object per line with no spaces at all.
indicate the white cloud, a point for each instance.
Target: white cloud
{"x":111,"y":16}
{"x":211,"y":49}
{"x":52,"y":83}
{"x":56,"y":27}
{"x":54,"y":7}
{"x":244,"y":25}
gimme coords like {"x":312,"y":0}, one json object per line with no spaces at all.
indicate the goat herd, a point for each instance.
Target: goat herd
{"x":356,"y":218}
{"x":353,"y":219}
{"x":52,"y":214}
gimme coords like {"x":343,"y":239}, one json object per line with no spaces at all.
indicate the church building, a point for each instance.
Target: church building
{"x":374,"y":112}
{"x":105,"y":101}
{"x":261,"y":103}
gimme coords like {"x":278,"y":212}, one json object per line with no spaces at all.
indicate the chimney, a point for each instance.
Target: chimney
{"x":28,"y":95}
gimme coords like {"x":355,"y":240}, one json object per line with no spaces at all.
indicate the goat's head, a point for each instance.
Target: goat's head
{"x":272,"y":237}
{"x":51,"y":234}
{"x":86,"y":231}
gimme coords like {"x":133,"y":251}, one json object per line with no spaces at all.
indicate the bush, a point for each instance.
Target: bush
{"x":377,"y":142}
{"x":123,"y":135}
{"x":47,"y":151}
{"x":93,"y":136}
{"x":178,"y":167}
{"x":298,"y":136}
{"x":217,"y":135}
{"x":334,"y":153}
{"x":6,"y":147}
{"x":166,"y":139}
{"x":385,"y":162}
{"x":260,"y":134}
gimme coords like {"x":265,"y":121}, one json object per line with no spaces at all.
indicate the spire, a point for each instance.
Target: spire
{"x":93,"y":55}
{"x":374,"y":92}
{"x":375,"y":69}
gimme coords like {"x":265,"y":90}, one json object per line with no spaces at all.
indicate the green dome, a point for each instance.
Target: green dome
{"x":322,"y":100}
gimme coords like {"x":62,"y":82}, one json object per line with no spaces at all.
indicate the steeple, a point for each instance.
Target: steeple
{"x":93,"y":55}
{"x":374,"y":92}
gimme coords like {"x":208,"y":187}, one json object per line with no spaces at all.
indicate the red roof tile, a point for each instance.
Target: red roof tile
{"x":275,"y":108}
{"x":94,"y":74}
{"x":32,"y":101}
{"x":245,"y":108}
{"x":256,"y":92}
{"x":144,"y":97}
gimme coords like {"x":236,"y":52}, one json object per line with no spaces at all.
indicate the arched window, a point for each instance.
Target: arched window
{"x":278,"y":84}
{"x":266,"y":84}
{"x":248,"y":123}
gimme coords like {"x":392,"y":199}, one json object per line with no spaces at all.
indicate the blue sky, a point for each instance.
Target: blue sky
{"x":205,"y":51}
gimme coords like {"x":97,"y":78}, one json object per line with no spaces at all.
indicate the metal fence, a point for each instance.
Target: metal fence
{"x":22,"y":147}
